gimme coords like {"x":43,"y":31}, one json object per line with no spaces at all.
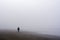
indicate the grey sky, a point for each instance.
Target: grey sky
{"x":41,"y":16}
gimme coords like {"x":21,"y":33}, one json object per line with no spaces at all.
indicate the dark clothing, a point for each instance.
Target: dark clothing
{"x":18,"y":29}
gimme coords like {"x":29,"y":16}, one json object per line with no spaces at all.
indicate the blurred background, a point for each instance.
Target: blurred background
{"x":40,"y":16}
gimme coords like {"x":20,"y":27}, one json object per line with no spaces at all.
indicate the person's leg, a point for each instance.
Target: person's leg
{"x":18,"y":30}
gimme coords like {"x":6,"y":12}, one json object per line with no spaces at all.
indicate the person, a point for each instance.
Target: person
{"x":18,"y":29}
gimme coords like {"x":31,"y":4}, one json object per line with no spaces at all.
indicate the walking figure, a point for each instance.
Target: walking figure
{"x":18,"y":29}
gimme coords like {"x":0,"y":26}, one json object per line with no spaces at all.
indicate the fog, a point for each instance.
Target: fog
{"x":41,"y":16}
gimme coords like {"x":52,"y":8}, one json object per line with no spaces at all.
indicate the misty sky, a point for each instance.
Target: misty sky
{"x":41,"y":16}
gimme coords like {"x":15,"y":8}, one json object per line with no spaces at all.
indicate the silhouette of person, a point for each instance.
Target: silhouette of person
{"x":18,"y":29}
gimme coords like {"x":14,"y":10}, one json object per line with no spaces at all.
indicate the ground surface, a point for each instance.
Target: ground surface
{"x":13,"y":35}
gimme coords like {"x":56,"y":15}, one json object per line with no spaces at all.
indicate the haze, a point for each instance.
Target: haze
{"x":41,"y":16}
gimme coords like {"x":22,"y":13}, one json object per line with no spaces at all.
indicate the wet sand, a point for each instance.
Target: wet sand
{"x":23,"y":35}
